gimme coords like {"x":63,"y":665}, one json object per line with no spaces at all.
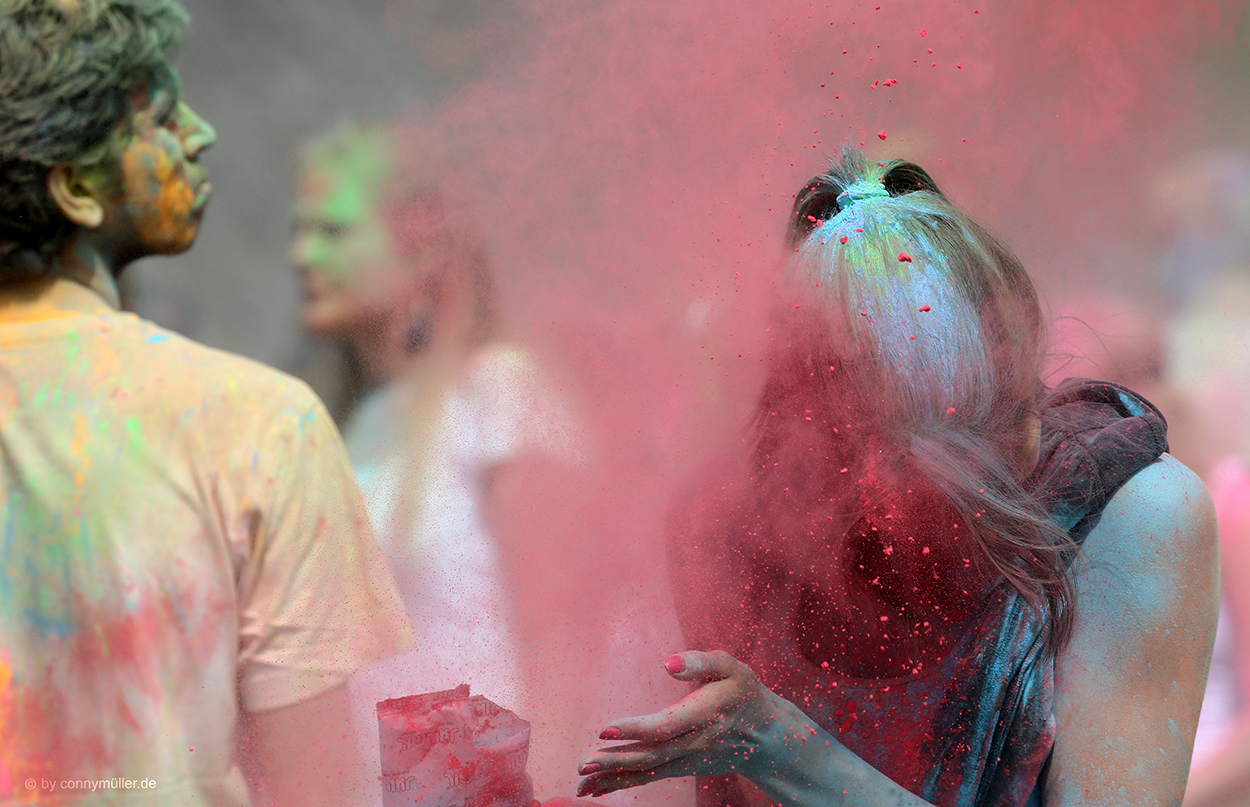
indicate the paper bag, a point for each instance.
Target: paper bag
{"x":446,"y":749}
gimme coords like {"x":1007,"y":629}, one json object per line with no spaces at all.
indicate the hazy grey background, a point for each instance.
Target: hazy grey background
{"x":269,"y":74}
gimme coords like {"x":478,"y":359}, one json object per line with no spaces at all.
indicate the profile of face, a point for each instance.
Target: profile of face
{"x":351,"y":272}
{"x":154,"y":191}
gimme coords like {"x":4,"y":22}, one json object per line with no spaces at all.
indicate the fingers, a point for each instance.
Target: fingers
{"x":691,"y":712}
{"x":607,"y":782}
{"x":699,"y":667}
{"x":702,"y":733}
{"x":698,"y":709}
{"x":638,"y":756}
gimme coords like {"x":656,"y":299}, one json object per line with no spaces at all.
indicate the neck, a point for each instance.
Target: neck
{"x":379,"y":358}
{"x":82,"y":263}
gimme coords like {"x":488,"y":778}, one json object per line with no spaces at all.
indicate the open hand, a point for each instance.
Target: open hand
{"x":730,"y":724}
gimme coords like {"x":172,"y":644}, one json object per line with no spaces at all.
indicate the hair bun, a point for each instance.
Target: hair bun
{"x":859,"y":191}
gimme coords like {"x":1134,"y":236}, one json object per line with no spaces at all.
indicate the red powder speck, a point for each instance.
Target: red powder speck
{"x":950,"y":411}
{"x":881,"y":135}
{"x":842,"y":471}
{"x":922,"y":32}
{"x":904,"y":257}
{"x":924,"y":308}
{"x":859,"y":229}
{"x":843,"y":239}
{"x":911,"y":337}
{"x":960,"y":65}
{"x":890,"y":82}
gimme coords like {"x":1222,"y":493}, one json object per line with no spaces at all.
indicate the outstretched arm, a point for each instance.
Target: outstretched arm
{"x":734,"y":724}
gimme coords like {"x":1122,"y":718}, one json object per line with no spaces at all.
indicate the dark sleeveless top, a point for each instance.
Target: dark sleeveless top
{"x":976,"y":728}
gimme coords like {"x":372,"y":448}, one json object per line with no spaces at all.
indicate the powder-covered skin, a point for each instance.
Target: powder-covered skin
{"x":349,"y":268}
{"x":160,"y":192}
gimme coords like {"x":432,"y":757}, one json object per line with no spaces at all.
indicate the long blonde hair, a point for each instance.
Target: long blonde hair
{"x":906,"y":313}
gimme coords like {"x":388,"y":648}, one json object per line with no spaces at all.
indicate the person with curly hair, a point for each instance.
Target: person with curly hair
{"x":184,"y":549}
{"x":929,"y":579}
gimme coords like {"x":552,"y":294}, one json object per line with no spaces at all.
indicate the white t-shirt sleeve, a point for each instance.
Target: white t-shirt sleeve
{"x":518,"y":410}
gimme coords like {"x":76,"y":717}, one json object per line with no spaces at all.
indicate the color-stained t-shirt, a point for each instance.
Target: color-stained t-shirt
{"x":180,"y":537}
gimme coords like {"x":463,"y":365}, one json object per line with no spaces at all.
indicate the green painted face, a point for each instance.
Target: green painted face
{"x":343,"y":249}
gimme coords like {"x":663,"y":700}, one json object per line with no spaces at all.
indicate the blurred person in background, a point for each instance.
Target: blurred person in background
{"x":1220,"y":773}
{"x":185,"y":548}
{"x":1205,"y":207}
{"x":929,"y":579}
{"x":455,"y":434}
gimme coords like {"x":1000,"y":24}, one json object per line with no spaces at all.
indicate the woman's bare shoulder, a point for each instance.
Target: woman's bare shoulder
{"x":1163,"y":506}
{"x":1155,"y":547}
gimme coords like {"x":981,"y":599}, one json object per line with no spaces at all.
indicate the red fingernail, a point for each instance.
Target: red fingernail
{"x":610,"y":733}
{"x":589,"y":768}
{"x":674,"y":664}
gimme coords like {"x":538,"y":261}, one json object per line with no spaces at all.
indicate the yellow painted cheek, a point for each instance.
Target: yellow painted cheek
{"x":175,"y":204}
{"x":167,"y":194}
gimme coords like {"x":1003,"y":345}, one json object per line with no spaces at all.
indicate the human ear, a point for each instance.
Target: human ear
{"x":75,"y":196}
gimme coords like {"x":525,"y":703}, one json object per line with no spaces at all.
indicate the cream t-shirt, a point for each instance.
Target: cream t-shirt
{"x":180,"y":536}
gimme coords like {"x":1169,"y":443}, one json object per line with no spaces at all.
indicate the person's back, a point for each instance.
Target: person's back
{"x":155,"y":547}
{"x":183,"y":545}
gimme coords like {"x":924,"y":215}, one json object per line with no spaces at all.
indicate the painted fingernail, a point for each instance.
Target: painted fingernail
{"x":610,"y":733}
{"x":674,"y":664}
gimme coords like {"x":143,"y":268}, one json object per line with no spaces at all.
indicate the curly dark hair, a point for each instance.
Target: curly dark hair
{"x":66,"y":67}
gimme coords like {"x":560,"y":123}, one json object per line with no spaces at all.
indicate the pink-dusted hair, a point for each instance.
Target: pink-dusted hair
{"x":908,"y":349}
